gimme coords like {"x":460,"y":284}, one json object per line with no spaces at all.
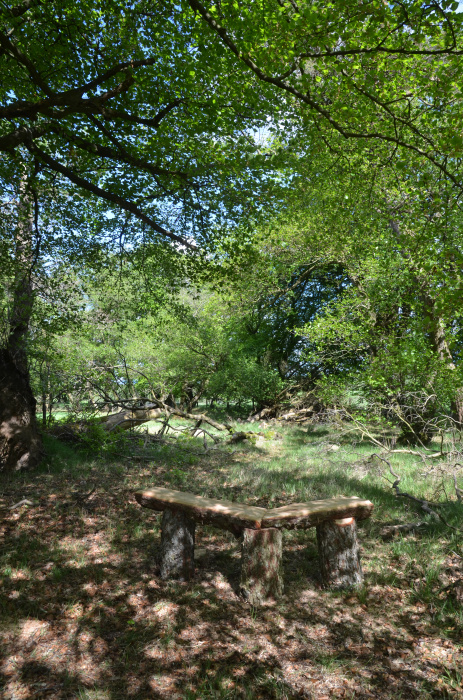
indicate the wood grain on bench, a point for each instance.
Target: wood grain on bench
{"x":225,"y":514}
{"x":305,"y":515}
{"x":238,"y":516}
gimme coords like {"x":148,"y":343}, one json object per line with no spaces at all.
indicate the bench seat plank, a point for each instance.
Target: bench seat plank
{"x":305,"y":515}
{"x":225,"y":514}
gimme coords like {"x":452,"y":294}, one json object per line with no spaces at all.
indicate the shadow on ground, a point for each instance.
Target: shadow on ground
{"x":84,"y":614}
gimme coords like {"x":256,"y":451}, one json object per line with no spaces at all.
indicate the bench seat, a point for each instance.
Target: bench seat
{"x":305,"y":515}
{"x":236,"y":517}
{"x":260,"y":530}
{"x":227,"y":515}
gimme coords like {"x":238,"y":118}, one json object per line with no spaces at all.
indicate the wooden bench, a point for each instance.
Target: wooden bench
{"x":260,"y":531}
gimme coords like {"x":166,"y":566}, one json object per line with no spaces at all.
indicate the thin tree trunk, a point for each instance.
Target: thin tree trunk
{"x":458,"y":407}
{"x":441,"y":348}
{"x":50,"y":408}
{"x":20,"y":442}
{"x":44,"y":410}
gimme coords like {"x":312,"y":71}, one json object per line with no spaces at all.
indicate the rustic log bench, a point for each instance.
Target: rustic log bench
{"x":260,"y":531}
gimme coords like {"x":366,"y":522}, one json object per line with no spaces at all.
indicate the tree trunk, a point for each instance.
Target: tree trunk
{"x":458,"y":408}
{"x":339,"y":553}
{"x":442,"y":349}
{"x":261,"y":575}
{"x":20,"y":442}
{"x":177,"y":546}
{"x":44,"y":410}
{"x":125,"y":420}
{"x":51,"y":400}
{"x":436,"y":328}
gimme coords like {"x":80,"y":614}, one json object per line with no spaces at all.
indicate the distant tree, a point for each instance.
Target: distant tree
{"x":398,"y":238}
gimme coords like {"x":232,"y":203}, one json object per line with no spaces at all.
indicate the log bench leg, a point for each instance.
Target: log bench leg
{"x":261,"y":554}
{"x":339,"y":555}
{"x":177,"y":546}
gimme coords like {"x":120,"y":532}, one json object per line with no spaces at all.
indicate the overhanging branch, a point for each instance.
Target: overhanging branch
{"x":106,"y":195}
{"x":313,"y":104}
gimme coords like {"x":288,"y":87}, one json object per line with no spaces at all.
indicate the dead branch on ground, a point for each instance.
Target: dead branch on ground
{"x":423,"y":503}
{"x":136,"y":412}
{"x":24,"y":502}
{"x":366,"y":433}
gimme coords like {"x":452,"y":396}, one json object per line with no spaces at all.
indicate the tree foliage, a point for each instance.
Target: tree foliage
{"x":119,"y":101}
{"x":227,"y":201}
{"x":374,"y":72}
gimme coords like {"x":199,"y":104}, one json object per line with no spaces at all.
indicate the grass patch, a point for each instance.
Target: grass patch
{"x":83,"y":613}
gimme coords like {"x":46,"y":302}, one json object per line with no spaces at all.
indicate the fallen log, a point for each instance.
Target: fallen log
{"x":125,"y":420}
{"x":239,"y":437}
{"x":390,"y":531}
{"x":131,"y":418}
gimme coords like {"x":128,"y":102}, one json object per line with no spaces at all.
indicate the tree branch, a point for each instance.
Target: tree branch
{"x":122,"y":156}
{"x":106,"y":195}
{"x":306,"y":99}
{"x":23,"y":134}
{"x":425,"y":506}
{"x":9,"y":47}
{"x":24,"y":7}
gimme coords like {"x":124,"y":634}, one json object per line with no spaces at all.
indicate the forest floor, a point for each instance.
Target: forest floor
{"x":84,"y":614}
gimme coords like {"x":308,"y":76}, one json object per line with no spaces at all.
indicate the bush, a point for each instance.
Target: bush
{"x":91,"y":437}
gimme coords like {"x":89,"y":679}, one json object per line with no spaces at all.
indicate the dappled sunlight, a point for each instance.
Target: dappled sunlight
{"x":85,"y":615}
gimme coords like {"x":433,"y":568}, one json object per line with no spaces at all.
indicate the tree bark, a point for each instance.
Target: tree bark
{"x":458,"y":408}
{"x":437,"y":331}
{"x":339,"y":553}
{"x":442,"y":350}
{"x":177,"y":546}
{"x":125,"y":420}
{"x":44,"y":410}
{"x":20,"y":441}
{"x":261,"y":575}
{"x":130,"y":418}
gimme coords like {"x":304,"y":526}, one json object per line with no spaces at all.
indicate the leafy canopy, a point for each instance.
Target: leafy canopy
{"x":122,"y":101}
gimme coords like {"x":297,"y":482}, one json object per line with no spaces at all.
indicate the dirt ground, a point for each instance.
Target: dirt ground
{"x":84,"y":614}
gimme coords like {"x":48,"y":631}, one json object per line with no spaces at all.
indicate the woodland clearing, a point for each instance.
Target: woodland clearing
{"x":251,"y":209}
{"x":84,"y":614}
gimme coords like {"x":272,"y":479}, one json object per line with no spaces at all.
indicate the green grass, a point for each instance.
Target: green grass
{"x":291,"y":464}
{"x":89,"y":565}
